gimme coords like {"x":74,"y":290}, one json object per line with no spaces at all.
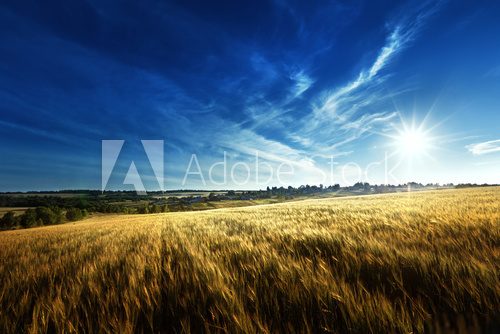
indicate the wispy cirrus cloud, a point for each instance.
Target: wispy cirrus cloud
{"x":240,"y":92}
{"x":343,"y":114}
{"x":338,"y":117}
{"x":486,"y":147}
{"x":333,"y":103}
{"x":302,"y":82}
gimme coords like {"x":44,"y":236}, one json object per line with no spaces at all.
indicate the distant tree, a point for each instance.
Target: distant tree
{"x":8,"y":220}
{"x":82,"y":204}
{"x":155,"y":209}
{"x":143,"y":209}
{"x":74,"y":214}
{"x":49,"y":216}
{"x":28,"y":219}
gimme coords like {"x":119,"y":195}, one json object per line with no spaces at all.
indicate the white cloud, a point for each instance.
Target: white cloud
{"x":302,"y":83}
{"x":339,"y":116}
{"x":396,"y":41}
{"x":343,"y":114}
{"x":265,"y":114}
{"x":485,"y":147}
{"x":368,"y":121}
{"x":334,"y":119}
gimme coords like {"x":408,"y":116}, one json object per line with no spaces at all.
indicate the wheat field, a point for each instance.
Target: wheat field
{"x":411,"y":262}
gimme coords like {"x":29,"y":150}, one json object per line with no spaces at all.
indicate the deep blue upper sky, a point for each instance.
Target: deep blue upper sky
{"x":294,"y":81}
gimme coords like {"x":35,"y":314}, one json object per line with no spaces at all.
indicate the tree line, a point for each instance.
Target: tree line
{"x":51,"y":208}
{"x":41,"y":216}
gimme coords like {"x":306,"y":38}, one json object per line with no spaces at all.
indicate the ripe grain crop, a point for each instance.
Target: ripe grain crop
{"x":409,"y":262}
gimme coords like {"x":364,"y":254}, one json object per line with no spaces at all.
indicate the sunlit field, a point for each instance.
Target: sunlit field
{"x":411,"y":262}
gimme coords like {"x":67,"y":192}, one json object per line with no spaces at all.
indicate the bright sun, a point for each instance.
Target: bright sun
{"x":412,"y":142}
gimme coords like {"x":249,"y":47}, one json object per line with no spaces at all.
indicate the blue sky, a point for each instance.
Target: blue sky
{"x":324,"y":90}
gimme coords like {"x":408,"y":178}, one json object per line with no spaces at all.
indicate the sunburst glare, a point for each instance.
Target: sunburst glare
{"x":413,"y":142}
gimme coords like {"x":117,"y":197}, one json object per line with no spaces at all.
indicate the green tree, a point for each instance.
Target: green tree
{"x":155,"y":208}
{"x":8,"y":220}
{"x":74,"y":214}
{"x":143,"y":209}
{"x":29,"y":218}
{"x":48,"y":216}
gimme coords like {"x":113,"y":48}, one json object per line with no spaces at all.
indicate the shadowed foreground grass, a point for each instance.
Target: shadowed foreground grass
{"x":390,"y":263}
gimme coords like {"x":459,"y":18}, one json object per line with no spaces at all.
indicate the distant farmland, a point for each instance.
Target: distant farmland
{"x":408,"y":262}
{"x":16,"y":210}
